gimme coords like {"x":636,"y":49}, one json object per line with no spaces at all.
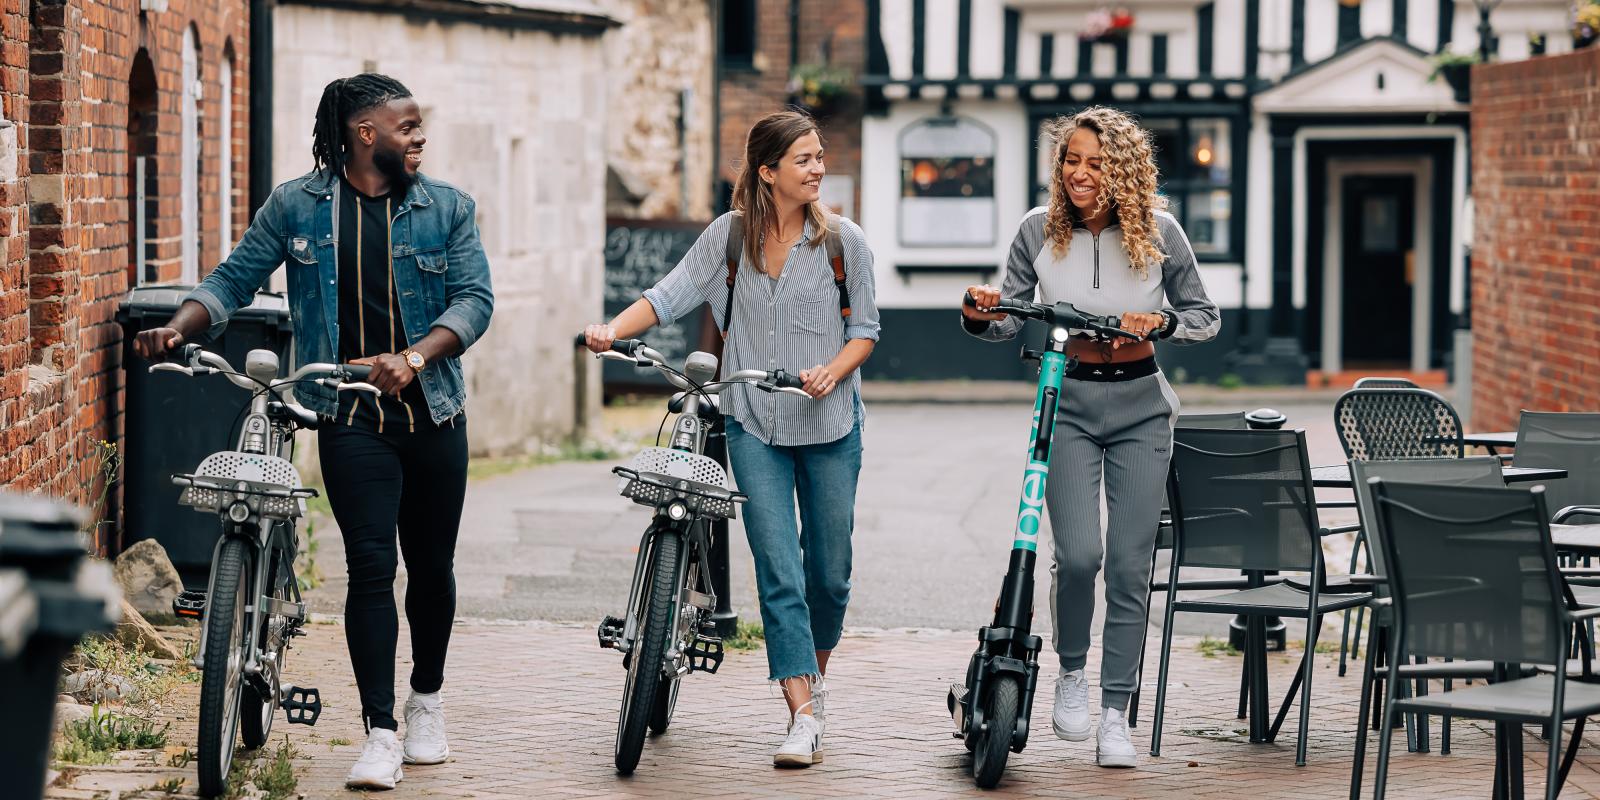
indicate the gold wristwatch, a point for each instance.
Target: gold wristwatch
{"x":414,"y":359}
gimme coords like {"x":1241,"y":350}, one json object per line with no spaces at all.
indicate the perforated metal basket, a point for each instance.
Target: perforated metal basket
{"x":258,"y":473}
{"x":656,"y":475}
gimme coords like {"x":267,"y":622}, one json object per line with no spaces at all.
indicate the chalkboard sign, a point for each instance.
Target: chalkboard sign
{"x":638,"y":254}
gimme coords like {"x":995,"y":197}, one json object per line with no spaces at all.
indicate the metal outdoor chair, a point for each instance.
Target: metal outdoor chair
{"x":1569,"y":441}
{"x":1231,"y":420}
{"x":1390,"y":424}
{"x":1472,"y":577}
{"x":1475,"y":471}
{"x":1244,"y":500}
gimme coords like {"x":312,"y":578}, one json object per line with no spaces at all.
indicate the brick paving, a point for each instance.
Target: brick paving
{"x":532,"y":713}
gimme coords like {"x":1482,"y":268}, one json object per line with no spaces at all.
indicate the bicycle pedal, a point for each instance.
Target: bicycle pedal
{"x":610,"y":632}
{"x":705,"y":655}
{"x":302,"y":705}
{"x":191,"y":603}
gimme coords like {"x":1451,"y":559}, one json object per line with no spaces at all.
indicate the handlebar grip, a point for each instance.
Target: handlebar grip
{"x":626,"y":347}
{"x":784,"y":380}
{"x":358,"y":372}
{"x":580,"y":341}
{"x":968,"y":300}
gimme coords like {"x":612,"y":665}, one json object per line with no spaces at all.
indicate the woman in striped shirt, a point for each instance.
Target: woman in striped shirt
{"x":785,"y":314}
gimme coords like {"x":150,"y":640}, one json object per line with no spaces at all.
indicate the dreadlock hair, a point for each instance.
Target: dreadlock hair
{"x":342,"y":99}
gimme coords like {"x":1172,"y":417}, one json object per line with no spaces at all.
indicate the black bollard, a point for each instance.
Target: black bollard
{"x":725,"y":618}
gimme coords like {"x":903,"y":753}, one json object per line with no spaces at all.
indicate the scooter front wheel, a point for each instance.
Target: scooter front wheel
{"x":999,"y":723}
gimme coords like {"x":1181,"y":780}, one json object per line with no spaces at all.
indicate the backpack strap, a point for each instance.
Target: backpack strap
{"x":731,"y":255}
{"x":834,"y":244}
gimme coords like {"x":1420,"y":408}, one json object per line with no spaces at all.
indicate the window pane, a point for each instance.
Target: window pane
{"x":1211,"y":151}
{"x":1165,"y":135}
{"x":738,"y":32}
{"x":1208,"y":219}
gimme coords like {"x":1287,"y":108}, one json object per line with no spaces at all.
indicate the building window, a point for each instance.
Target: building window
{"x":225,"y":158}
{"x":189,"y":160}
{"x":1195,"y":159}
{"x":739,"y":33}
{"x":947,"y":184}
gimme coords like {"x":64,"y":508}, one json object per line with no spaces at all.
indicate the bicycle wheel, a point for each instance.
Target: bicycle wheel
{"x":994,"y":741}
{"x":683,"y":633}
{"x":222,"y":680}
{"x":256,"y":713}
{"x":644,"y":669}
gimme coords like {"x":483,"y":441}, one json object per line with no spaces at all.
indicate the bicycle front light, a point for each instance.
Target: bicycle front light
{"x":239,"y":511}
{"x":677,"y":510}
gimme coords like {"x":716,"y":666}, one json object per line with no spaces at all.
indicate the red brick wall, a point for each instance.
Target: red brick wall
{"x":749,"y":95}
{"x":65,"y":66}
{"x":1536,"y":248}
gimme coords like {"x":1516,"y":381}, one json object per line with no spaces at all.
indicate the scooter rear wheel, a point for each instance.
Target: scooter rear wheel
{"x":999,"y":723}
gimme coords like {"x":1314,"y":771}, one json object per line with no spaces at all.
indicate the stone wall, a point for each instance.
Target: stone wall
{"x":517,"y":118}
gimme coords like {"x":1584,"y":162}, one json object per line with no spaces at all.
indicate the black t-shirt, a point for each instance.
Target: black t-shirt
{"x":369,"y":312}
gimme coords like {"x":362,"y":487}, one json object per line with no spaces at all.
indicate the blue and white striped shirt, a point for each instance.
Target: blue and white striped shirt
{"x":792,"y":324}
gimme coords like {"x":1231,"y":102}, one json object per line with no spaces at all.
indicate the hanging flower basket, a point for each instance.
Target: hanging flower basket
{"x":1107,"y":25}
{"x":819,"y":89}
{"x":1457,"y":72}
{"x":1586,"y":25}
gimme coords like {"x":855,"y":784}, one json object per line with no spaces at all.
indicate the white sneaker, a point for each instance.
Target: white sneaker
{"x":425,"y":743}
{"x":1114,"y":748}
{"x":1071,"y":716}
{"x":379,"y":765}
{"x":803,"y":746}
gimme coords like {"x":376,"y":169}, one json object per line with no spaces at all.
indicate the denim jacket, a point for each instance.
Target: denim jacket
{"x":440,"y":272}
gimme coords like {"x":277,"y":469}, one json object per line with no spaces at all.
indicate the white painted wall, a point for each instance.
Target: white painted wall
{"x":486,"y":93}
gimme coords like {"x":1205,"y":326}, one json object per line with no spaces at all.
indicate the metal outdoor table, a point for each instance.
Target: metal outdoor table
{"x":1489,"y":441}
{"x":1579,"y":539}
{"x":1337,"y":476}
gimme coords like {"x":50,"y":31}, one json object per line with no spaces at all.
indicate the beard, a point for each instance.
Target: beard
{"x":392,"y":163}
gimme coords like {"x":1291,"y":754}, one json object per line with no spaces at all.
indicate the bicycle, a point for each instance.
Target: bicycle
{"x":993,"y":706}
{"x":251,"y":608}
{"x":667,"y":631}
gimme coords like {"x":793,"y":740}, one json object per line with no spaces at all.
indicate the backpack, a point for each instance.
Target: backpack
{"x":831,"y":243}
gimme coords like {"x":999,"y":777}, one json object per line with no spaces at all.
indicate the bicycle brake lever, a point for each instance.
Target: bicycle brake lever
{"x":167,"y":366}
{"x":359,"y":387}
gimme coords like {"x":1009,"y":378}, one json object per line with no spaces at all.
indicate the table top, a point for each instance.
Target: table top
{"x":1583,"y":539}
{"x":1491,"y":439}
{"x":1337,"y":476}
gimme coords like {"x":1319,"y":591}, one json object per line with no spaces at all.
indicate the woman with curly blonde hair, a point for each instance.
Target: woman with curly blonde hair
{"x":1106,"y":245}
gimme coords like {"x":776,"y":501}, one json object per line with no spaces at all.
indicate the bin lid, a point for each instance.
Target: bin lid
{"x":165,"y":299}
{"x":89,"y":602}
{"x":38,"y":529}
{"x":19,"y":612}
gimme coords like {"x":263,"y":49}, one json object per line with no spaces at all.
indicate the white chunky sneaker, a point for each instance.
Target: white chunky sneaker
{"x":1071,"y":716}
{"x":1114,"y":748}
{"x":803,"y":746}
{"x":425,"y":743}
{"x":379,"y":765}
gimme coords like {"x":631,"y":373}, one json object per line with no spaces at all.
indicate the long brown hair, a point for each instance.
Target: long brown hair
{"x":1128,"y":189}
{"x":765,"y":146}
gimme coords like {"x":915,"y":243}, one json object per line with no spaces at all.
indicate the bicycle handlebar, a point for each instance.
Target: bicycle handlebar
{"x":636,"y":352}
{"x":340,"y":377}
{"x":1061,"y":314}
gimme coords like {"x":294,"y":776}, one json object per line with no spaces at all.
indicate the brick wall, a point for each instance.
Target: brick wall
{"x":836,"y":26}
{"x":1536,"y":238}
{"x":64,"y":212}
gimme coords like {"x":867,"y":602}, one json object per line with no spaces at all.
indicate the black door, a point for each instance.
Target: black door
{"x":1378,"y":271}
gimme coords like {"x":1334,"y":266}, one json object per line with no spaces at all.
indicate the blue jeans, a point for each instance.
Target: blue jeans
{"x":802,"y":572}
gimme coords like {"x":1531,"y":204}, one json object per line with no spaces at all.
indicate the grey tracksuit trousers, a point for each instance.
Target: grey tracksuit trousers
{"x":1122,"y":430}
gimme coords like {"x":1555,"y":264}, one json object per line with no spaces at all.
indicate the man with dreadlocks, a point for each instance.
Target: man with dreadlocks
{"x":385,"y":269}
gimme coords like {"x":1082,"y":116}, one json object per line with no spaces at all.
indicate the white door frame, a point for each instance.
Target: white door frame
{"x":1420,"y":169}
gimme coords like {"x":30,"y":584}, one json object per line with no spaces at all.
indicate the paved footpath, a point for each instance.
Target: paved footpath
{"x":532,"y":713}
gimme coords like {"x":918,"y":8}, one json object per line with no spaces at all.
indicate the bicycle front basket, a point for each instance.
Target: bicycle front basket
{"x":707,"y":483}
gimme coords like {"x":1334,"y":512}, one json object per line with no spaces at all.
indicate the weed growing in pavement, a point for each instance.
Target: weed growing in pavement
{"x":1211,"y":648}
{"x":168,"y":786}
{"x":152,"y":682}
{"x":272,"y":776}
{"x":338,"y":741}
{"x":1323,"y":645}
{"x":94,"y":740}
{"x":749,"y":636}
{"x":181,"y":760}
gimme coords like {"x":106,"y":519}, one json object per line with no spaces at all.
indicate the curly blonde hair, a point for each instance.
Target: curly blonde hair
{"x":1128,"y":188}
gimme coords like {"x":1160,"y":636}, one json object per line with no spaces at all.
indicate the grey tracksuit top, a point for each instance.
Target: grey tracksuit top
{"x":1096,"y":277}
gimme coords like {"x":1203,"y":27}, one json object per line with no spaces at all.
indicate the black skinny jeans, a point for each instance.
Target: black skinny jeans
{"x":378,"y":483}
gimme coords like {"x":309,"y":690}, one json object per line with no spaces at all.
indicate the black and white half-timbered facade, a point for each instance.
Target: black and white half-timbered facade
{"x":1320,"y":174}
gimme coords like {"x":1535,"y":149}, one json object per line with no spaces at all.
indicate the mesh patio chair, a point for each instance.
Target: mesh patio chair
{"x":1383,"y":383}
{"x":1474,"y":471}
{"x":1472,"y":575}
{"x":1390,"y":424}
{"x":1569,"y":441}
{"x":1231,"y":420}
{"x":1243,"y":500}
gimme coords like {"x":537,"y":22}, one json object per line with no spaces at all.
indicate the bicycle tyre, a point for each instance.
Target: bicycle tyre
{"x":222,"y":679}
{"x":256,"y":714}
{"x":994,"y":741}
{"x":655,"y":625}
{"x":666,"y":702}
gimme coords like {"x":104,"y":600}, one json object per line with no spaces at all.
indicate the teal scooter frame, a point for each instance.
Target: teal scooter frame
{"x":993,"y":706}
